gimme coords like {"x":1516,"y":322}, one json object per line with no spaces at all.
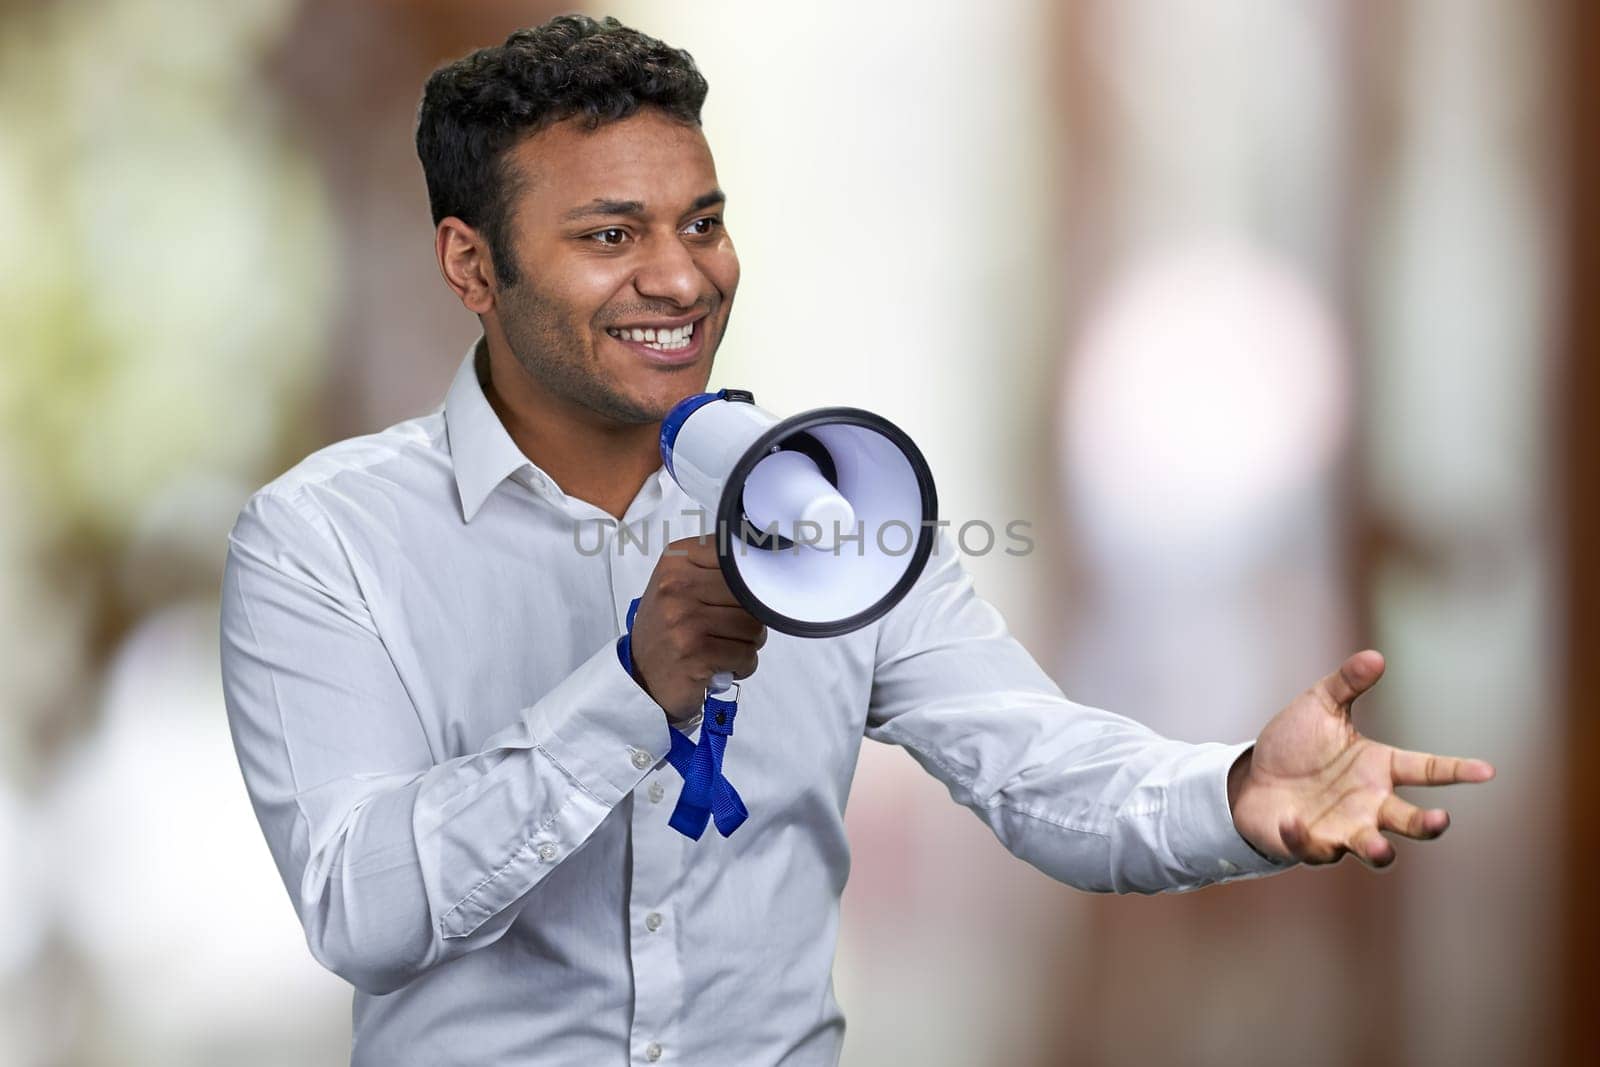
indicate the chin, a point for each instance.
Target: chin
{"x":663,"y":401}
{"x":646,"y":402}
{"x":662,"y":391}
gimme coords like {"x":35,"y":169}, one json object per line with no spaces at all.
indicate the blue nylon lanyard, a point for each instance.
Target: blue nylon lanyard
{"x":707,"y":795}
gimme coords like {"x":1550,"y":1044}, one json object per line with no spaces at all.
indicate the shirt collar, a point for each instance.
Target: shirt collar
{"x":483,"y":454}
{"x":481,"y":451}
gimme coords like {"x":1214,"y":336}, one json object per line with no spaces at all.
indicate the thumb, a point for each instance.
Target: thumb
{"x":1355,"y":676}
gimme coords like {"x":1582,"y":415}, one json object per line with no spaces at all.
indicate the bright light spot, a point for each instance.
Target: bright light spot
{"x":1209,"y":387}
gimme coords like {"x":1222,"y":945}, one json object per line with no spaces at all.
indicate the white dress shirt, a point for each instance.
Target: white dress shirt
{"x":467,"y":796}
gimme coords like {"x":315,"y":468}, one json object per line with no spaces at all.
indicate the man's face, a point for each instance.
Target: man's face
{"x":618,"y":235}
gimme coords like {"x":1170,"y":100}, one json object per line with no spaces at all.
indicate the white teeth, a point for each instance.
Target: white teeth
{"x":661,"y":340}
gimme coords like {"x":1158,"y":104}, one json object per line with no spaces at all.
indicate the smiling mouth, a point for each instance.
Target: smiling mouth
{"x":662,"y":339}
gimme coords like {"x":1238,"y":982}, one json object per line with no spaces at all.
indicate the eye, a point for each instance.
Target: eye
{"x":611,"y":236}
{"x":701,"y":227}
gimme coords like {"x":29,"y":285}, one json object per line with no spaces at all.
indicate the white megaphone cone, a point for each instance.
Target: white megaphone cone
{"x":824,"y":520}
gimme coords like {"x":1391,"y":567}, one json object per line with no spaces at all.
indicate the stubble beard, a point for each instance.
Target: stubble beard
{"x":550,"y":346}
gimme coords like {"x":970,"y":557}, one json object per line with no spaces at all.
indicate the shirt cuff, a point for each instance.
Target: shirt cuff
{"x":1207,"y":840}
{"x":602,"y":728}
{"x":625,"y":657}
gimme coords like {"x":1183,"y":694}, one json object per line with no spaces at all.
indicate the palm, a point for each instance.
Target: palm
{"x":1315,"y":788}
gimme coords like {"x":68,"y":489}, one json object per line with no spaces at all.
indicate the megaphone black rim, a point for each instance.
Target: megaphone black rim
{"x":730,"y":518}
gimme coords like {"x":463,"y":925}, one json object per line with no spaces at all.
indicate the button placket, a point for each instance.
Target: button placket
{"x":657,"y":872}
{"x":659,"y":855}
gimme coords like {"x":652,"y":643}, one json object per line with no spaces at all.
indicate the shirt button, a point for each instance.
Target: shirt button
{"x":1227,"y":867}
{"x":656,"y":792}
{"x":652,"y":922}
{"x":641,"y":759}
{"x":547,"y":852}
{"x":652,"y":1052}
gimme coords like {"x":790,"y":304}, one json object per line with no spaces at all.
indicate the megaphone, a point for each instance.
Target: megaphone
{"x":824,"y":520}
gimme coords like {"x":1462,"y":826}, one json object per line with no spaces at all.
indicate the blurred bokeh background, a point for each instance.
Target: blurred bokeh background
{"x":1275,"y":318}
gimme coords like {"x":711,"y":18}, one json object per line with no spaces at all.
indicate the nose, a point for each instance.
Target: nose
{"x":670,"y":273}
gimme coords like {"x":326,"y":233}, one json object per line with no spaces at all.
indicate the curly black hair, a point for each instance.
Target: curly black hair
{"x":474,"y":109}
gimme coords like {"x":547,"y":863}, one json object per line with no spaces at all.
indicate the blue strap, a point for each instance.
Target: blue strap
{"x":706,"y":795}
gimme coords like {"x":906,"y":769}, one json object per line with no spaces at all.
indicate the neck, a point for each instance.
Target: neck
{"x":589,"y":458}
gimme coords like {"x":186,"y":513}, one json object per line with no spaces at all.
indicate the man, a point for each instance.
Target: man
{"x":462,"y":784}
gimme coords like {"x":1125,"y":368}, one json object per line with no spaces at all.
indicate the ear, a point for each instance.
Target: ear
{"x":466,"y":264}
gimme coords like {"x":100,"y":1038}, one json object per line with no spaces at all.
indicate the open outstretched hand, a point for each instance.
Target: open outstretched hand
{"x":1313,"y":788}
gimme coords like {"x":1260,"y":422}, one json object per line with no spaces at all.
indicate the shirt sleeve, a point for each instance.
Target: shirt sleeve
{"x":396,"y":863}
{"x":1091,"y":798}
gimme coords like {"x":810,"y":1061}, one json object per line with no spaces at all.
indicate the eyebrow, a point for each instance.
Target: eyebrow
{"x":711,"y":199}
{"x":600,"y":206}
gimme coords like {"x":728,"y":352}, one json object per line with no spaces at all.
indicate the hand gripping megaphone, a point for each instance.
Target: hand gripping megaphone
{"x":823,"y":520}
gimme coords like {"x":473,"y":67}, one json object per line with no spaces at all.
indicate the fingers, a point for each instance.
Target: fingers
{"x":1373,"y":849}
{"x":690,"y":626}
{"x":725,"y":655}
{"x":1355,"y":676}
{"x":1316,"y":848}
{"x":1303,"y":846}
{"x":1422,"y":768}
{"x":1400,"y":817}
{"x":693,"y":583}
{"x":1343,"y":831}
{"x":707,"y":585}
{"x":734,"y":623}
{"x":700,"y":551}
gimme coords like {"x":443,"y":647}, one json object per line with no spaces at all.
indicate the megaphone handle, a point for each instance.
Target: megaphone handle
{"x":721,"y":682}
